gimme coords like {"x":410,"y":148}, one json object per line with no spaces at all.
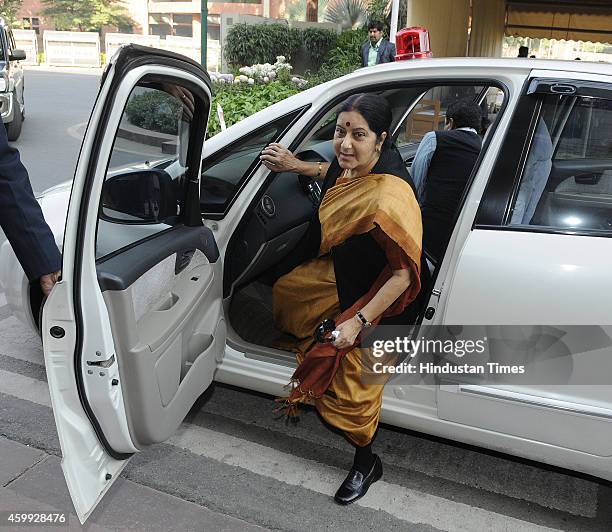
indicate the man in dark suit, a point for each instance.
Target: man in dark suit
{"x":377,"y":50}
{"x":22,"y":220}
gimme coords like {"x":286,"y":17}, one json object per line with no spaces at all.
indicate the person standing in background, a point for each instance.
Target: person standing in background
{"x":22,"y":220}
{"x":377,"y":50}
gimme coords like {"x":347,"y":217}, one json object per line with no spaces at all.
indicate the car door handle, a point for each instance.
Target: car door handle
{"x":183,"y":258}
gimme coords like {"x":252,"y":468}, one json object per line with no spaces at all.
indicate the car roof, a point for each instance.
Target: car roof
{"x":486,"y":64}
{"x":504,"y":63}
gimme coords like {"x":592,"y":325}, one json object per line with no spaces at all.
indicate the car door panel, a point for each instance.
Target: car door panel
{"x":173,"y":339}
{"x":159,"y":331}
{"x":524,"y":413}
{"x":121,"y":270}
{"x":557,"y":394}
{"x":132,"y":338}
{"x":530,"y":282}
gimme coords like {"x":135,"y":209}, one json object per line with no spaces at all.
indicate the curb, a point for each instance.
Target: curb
{"x":167,"y":143}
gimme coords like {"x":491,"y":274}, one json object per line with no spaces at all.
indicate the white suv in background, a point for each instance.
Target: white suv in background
{"x":12,"y":102}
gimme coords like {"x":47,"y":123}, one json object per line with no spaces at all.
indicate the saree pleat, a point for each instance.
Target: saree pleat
{"x":352,"y":402}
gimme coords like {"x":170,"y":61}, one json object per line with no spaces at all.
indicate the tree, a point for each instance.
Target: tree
{"x":9,"y":8}
{"x":350,"y":14}
{"x":86,"y":15}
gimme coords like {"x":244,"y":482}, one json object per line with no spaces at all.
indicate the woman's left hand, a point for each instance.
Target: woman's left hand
{"x":349,"y":330}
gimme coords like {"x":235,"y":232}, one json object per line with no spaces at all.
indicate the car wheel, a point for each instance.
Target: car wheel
{"x":13,"y":129}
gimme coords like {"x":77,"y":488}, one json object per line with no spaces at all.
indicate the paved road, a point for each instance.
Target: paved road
{"x":58,"y":105}
{"x":231,"y":457}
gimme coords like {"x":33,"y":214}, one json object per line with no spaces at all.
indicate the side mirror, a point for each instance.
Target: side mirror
{"x":17,"y":55}
{"x":141,"y":197}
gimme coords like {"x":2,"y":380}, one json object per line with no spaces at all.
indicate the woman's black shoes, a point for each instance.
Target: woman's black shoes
{"x":356,"y":484}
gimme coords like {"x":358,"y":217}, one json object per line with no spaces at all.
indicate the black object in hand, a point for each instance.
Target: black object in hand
{"x":322,"y":334}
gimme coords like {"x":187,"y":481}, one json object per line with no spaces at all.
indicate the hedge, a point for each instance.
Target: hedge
{"x":262,"y":43}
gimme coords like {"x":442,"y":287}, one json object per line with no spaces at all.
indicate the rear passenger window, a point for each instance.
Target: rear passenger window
{"x":586,"y":134}
{"x":429,"y":113}
{"x":566,"y":181}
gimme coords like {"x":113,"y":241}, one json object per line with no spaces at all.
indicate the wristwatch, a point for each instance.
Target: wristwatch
{"x":364,"y":323}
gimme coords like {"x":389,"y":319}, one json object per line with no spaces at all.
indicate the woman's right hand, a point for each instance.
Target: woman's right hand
{"x":277,"y":158}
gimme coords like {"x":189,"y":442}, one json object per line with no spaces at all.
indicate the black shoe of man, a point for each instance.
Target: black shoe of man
{"x":356,"y":484}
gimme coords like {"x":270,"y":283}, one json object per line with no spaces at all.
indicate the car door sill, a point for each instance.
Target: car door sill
{"x":262,"y":353}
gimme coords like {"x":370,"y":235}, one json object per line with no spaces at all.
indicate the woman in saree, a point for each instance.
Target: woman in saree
{"x":359,"y":265}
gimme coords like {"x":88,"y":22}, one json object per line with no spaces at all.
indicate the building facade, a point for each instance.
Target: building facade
{"x":183,"y":18}
{"x":171,"y":17}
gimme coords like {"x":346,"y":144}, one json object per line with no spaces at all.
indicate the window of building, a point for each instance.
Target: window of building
{"x":171,"y":24}
{"x":31,"y":23}
{"x":183,"y":25}
{"x":214,"y":33}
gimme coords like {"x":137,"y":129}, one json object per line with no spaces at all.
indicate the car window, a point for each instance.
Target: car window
{"x":7,"y":39}
{"x":140,"y":192}
{"x":586,"y":134}
{"x":566,"y":182}
{"x":429,"y":113}
{"x":2,"y":46}
{"x":12,"y":44}
{"x":399,"y":99}
{"x":224,"y":172}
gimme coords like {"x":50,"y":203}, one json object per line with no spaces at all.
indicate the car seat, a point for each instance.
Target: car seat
{"x":535,"y":176}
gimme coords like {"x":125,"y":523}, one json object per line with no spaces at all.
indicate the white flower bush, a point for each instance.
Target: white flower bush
{"x":221,"y":78}
{"x":264,"y":73}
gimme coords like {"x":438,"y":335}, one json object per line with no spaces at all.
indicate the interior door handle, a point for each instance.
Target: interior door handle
{"x":183,"y":258}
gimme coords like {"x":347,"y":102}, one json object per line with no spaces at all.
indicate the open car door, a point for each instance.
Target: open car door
{"x":134,"y":330}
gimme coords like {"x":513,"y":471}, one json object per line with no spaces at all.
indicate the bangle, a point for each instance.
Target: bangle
{"x":320,"y":169}
{"x":364,"y":323}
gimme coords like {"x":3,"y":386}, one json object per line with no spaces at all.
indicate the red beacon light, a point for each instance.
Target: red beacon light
{"x":412,"y":43}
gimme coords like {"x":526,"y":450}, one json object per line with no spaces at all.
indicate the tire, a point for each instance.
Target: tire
{"x":13,"y":129}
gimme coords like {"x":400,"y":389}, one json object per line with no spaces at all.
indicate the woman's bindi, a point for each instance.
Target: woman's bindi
{"x":348,"y":124}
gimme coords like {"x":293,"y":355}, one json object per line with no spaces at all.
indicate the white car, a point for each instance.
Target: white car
{"x":167,"y":245}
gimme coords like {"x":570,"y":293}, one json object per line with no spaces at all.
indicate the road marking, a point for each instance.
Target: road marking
{"x":404,"y":503}
{"x":25,"y":388}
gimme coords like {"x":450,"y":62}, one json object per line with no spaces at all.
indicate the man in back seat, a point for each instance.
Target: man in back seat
{"x":440,"y":171}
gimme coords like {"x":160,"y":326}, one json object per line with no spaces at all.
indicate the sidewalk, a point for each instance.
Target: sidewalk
{"x":32,"y":481}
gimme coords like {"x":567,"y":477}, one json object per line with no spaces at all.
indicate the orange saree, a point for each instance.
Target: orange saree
{"x":384,"y":206}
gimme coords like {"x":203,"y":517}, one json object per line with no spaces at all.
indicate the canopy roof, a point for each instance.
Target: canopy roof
{"x":590,"y":20}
